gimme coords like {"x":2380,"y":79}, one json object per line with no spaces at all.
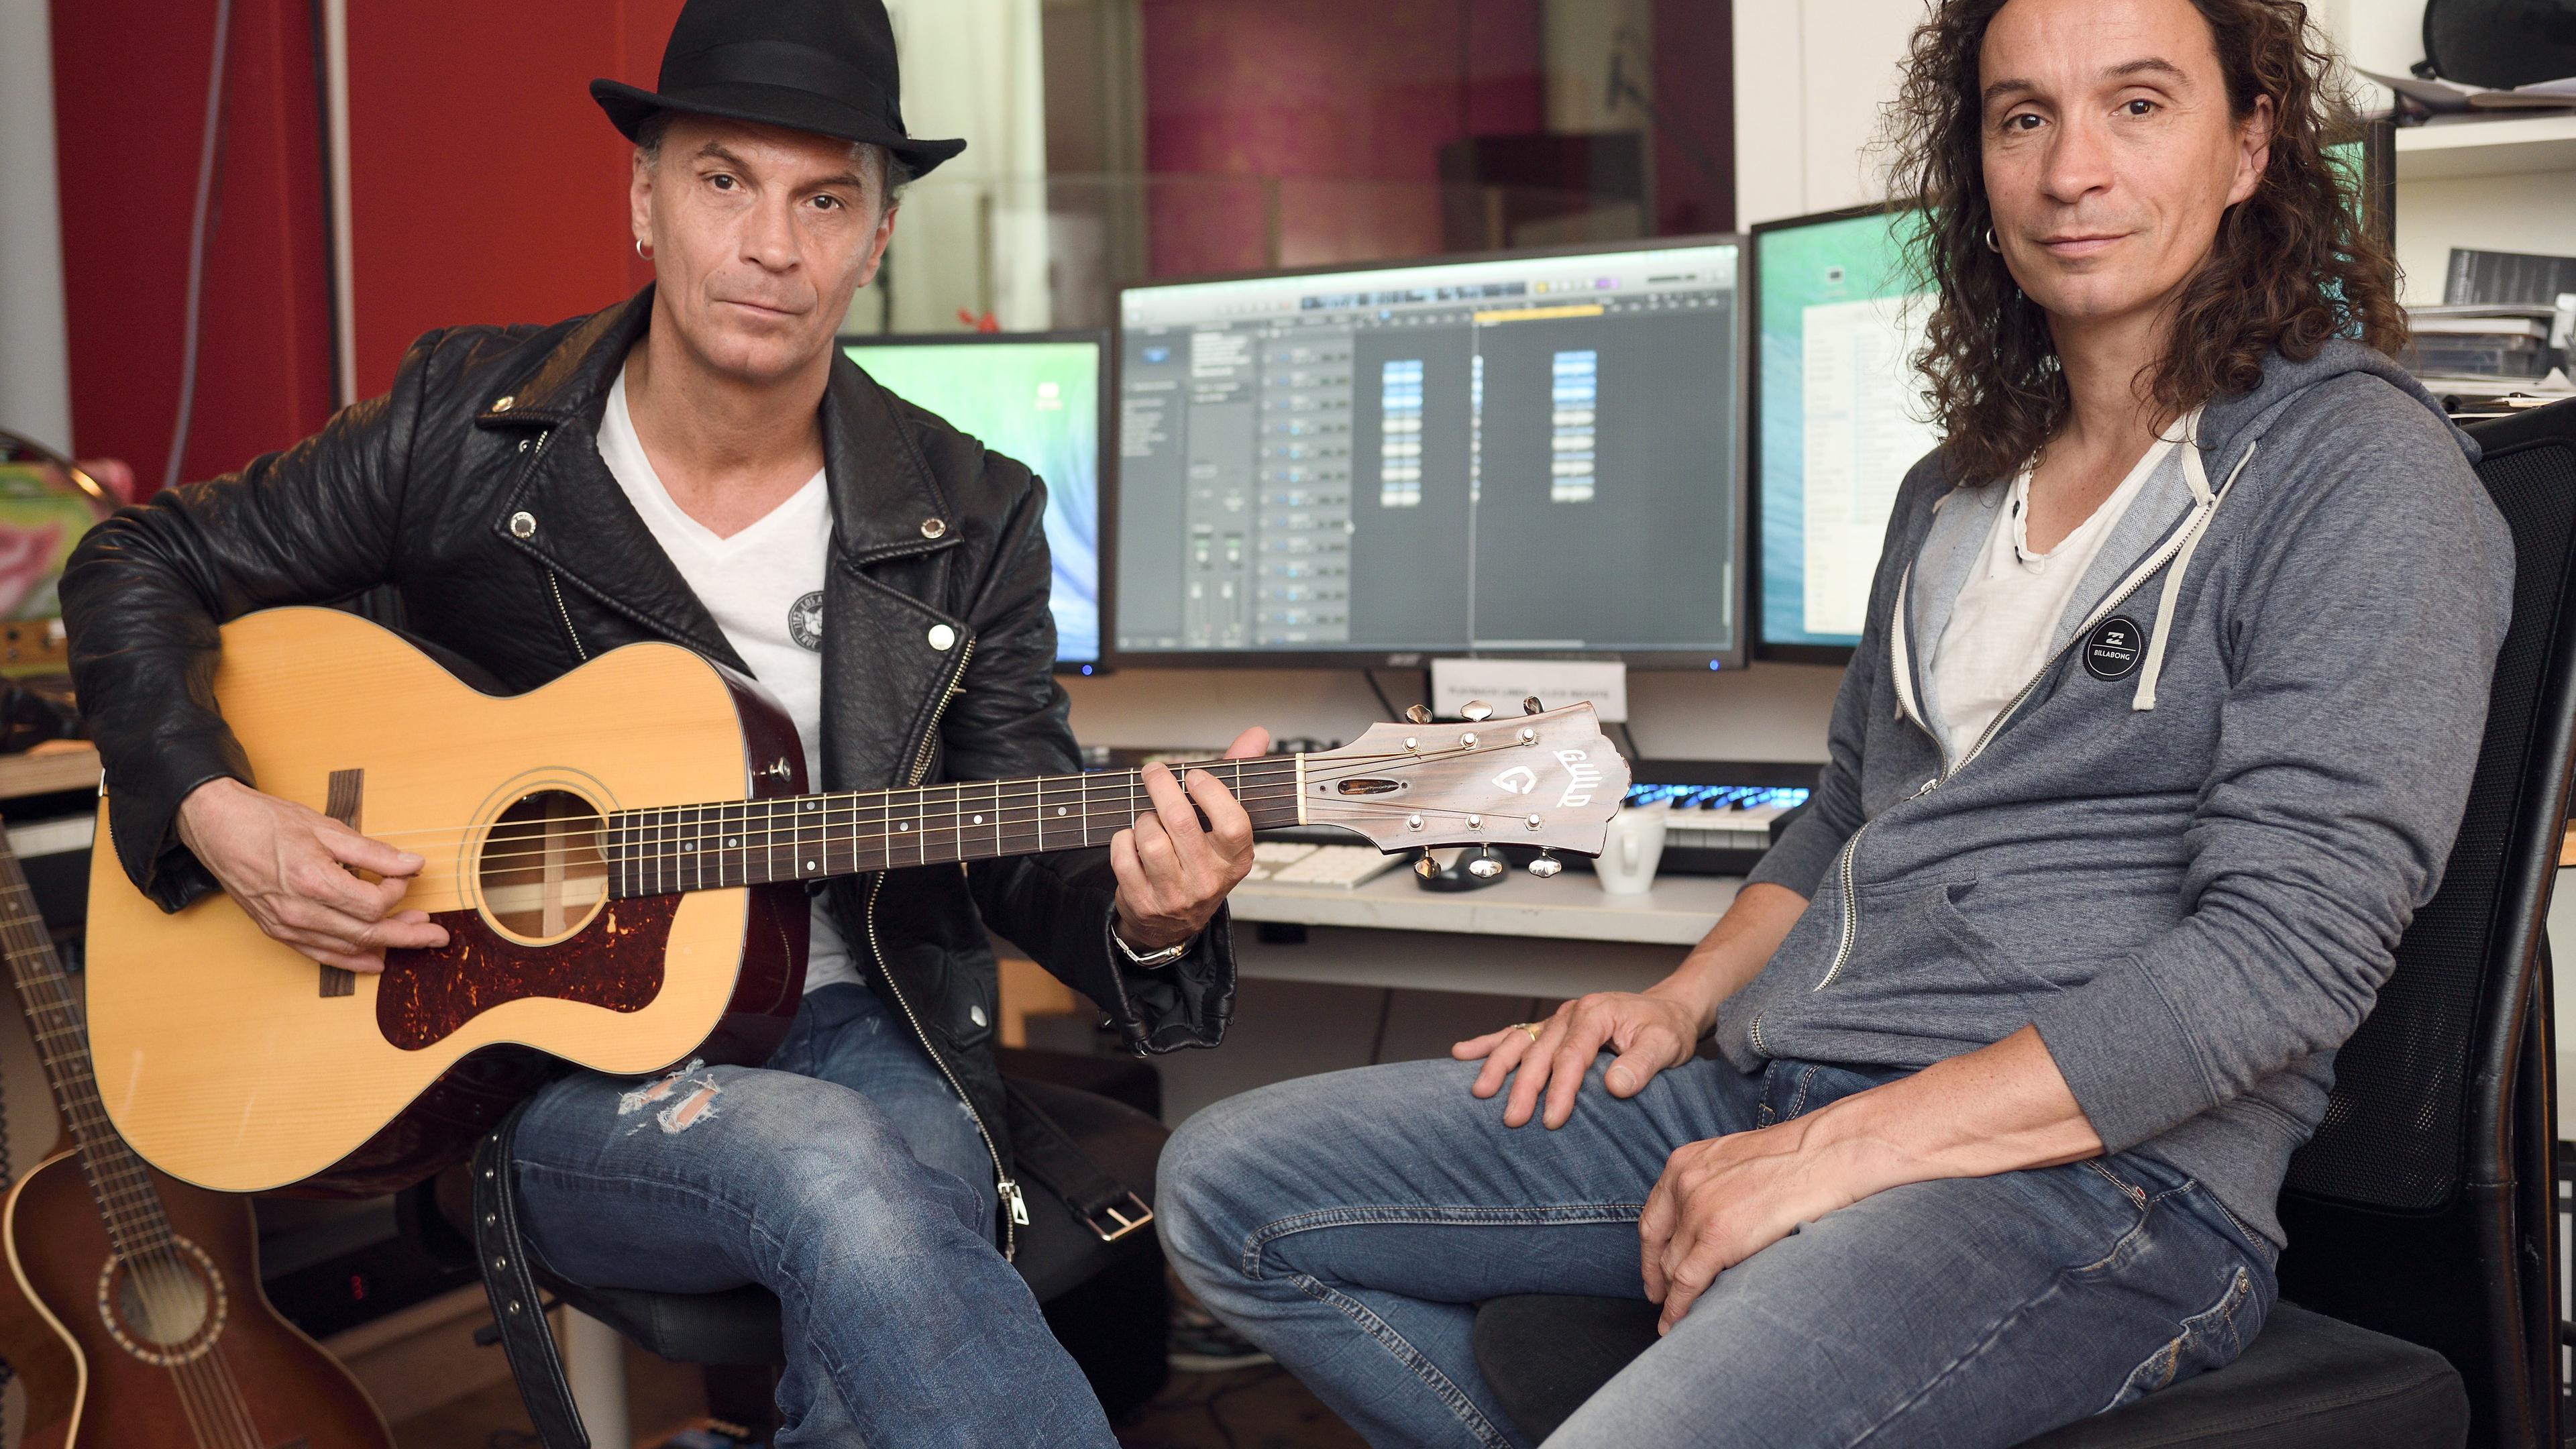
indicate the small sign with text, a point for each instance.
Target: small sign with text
{"x":1504,"y":683}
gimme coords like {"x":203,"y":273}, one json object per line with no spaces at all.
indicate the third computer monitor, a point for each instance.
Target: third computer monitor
{"x":1036,"y":397}
{"x":1837,"y":418}
{"x":1537,"y":454}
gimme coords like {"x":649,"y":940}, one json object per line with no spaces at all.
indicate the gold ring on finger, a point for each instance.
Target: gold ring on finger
{"x":1532,"y":1028}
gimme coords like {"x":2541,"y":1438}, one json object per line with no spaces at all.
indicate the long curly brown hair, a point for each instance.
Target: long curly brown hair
{"x":2293,"y":264}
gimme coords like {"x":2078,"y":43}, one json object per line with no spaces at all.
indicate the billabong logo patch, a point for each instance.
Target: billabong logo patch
{"x":2111,"y":651}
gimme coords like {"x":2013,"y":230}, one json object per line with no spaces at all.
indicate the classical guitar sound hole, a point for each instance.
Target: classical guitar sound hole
{"x":541,"y":873}
{"x":164,"y":1306}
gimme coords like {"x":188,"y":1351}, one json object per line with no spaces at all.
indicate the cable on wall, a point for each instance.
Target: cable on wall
{"x":207,"y":153}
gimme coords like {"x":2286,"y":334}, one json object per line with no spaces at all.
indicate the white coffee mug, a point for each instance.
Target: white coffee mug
{"x":1632,"y":850}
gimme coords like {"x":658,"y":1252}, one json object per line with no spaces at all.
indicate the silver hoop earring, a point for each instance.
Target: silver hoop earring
{"x":1990,"y":240}
{"x":648,"y":256}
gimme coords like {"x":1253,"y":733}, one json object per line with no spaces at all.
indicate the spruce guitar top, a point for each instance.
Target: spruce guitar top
{"x":620,"y":859}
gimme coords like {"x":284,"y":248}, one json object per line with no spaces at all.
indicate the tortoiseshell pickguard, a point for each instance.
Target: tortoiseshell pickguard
{"x":615,"y":962}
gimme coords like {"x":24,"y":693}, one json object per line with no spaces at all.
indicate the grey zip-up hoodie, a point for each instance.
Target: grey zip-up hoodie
{"x":2187,"y":852}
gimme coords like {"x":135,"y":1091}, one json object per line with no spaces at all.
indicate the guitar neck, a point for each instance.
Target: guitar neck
{"x":809,"y":837}
{"x":117,"y":1178}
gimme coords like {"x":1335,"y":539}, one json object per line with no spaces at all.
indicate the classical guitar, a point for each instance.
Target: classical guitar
{"x":620,"y":859}
{"x":149,"y":1287}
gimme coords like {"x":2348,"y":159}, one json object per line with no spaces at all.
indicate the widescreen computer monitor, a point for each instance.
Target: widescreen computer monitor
{"x":1837,"y":316}
{"x":1534,"y":454}
{"x":1036,"y":397}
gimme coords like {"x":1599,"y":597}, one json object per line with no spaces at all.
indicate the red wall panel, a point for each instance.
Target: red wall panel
{"x":487,"y":185}
{"x":129,"y":99}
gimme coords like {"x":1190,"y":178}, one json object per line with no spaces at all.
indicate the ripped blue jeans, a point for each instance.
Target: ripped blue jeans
{"x":1350,"y":1223}
{"x":845,"y":1177}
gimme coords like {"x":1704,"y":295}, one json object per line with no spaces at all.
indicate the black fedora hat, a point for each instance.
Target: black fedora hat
{"x":825,"y":66}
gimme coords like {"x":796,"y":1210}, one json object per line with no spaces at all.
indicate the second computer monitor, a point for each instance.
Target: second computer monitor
{"x":1036,"y":397}
{"x":1837,"y":418}
{"x":1535,"y":454}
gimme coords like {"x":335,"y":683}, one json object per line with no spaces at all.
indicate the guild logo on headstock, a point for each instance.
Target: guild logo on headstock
{"x":1519,"y":780}
{"x":1587,"y":778}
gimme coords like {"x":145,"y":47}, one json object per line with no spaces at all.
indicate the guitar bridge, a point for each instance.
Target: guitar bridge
{"x":342,"y":805}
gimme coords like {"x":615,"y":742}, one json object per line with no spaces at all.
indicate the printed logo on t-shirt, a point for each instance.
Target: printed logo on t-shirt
{"x":805,"y":621}
{"x":2111,"y":650}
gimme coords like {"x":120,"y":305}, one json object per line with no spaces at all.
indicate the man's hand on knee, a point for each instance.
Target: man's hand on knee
{"x":1724,"y":1199}
{"x":1649,"y":1031}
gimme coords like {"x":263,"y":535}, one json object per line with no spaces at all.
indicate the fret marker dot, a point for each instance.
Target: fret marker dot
{"x":1059,"y":810}
{"x":809,"y":865}
{"x":978,"y":820}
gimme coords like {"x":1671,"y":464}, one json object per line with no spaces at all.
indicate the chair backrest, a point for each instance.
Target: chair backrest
{"x":2423,"y":1206}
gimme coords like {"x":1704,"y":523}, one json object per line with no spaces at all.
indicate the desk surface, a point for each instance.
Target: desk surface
{"x":1677,"y":912}
{"x":72,"y":765}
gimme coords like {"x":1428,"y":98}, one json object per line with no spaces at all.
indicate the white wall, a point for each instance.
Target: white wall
{"x":1810,"y":76}
{"x":35,"y":387}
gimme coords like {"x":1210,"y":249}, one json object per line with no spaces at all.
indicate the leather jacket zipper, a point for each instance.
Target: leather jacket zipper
{"x":1005,"y":1186}
{"x":554,"y":580}
{"x":554,"y":585}
{"x":2137,"y":580}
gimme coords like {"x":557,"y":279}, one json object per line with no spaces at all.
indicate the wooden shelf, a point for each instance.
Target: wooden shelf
{"x":49,"y":771}
{"x":2480,"y":146}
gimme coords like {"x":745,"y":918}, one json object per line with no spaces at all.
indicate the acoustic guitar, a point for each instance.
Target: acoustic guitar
{"x":160,"y":1336}
{"x":620,"y":859}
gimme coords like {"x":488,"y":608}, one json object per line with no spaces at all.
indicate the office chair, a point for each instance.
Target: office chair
{"x":2419,"y":1292}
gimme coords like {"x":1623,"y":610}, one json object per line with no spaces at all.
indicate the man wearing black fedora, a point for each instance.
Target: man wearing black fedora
{"x":699,"y":465}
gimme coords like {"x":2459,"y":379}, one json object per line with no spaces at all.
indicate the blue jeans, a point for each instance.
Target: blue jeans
{"x":1350,"y":1223}
{"x":845,"y":1177}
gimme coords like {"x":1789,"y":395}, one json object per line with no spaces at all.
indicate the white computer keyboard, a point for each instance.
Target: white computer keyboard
{"x":1298,"y":862}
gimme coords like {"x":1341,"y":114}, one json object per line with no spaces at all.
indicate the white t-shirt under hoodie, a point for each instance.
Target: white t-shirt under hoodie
{"x":2008,"y":610}
{"x":764,"y":585}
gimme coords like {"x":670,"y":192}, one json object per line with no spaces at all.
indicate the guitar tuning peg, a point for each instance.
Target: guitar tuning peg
{"x":1530,"y":705}
{"x":1426,"y":867}
{"x":1547,"y":866}
{"x":1485,"y":866}
{"x":1419,"y":714}
{"x":1475,"y":710}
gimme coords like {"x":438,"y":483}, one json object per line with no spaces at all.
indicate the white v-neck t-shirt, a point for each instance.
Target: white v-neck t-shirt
{"x":2008,"y":610}
{"x":764,"y":585}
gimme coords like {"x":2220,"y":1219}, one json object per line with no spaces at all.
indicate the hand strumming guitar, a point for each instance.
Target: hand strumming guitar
{"x":289,"y":867}
{"x":1172,"y":871}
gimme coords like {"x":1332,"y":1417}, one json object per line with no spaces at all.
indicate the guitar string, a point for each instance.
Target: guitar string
{"x":1282,"y":767}
{"x":140,"y":1237}
{"x":673,"y":839}
{"x":771,"y":818}
{"x":945,"y":841}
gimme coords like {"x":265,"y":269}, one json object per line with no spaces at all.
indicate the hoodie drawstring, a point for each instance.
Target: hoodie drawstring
{"x":2207,"y":508}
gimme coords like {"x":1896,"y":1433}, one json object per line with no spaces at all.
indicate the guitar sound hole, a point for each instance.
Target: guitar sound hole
{"x":164,"y":1306}
{"x":541,"y":873}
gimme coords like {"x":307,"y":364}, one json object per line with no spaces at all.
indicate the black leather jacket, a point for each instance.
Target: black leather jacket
{"x":476,"y":491}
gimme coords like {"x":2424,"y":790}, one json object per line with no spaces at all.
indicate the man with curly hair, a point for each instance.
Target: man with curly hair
{"x":2157,"y":735}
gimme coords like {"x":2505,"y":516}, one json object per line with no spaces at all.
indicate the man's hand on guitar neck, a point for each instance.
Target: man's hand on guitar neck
{"x":1172,"y":871}
{"x":289,"y":867}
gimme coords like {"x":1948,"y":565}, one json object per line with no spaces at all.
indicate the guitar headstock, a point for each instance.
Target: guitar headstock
{"x":1548,"y":779}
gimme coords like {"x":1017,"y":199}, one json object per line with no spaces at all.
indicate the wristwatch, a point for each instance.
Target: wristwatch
{"x":1164,"y":957}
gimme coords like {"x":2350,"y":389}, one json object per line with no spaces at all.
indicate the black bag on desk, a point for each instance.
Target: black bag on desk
{"x":2500,"y":42}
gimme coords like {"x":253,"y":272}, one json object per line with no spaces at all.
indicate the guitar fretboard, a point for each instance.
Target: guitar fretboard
{"x":136,"y":1223}
{"x":809,"y":837}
